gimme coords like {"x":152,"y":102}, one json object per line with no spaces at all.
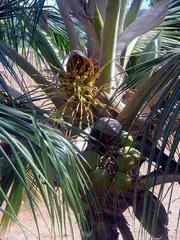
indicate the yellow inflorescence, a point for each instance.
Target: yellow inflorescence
{"x":77,"y":88}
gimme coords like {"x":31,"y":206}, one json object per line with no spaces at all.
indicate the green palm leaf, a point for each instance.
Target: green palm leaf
{"x":45,"y":154}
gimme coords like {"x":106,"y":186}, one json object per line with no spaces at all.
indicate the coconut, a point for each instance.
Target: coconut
{"x":125,"y":163}
{"x":92,"y":160}
{"x":100,"y":178}
{"x":131,"y":151}
{"x":126,"y":139}
{"x":122,"y":182}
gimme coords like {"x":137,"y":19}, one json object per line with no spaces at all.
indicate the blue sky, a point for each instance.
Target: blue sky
{"x":145,"y":3}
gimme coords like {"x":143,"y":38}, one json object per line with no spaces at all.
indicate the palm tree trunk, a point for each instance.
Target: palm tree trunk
{"x":103,"y":228}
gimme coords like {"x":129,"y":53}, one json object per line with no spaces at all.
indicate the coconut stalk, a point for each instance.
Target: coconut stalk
{"x":109,"y":39}
{"x":73,"y":38}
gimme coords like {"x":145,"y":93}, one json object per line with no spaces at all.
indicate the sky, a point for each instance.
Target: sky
{"x":145,"y":3}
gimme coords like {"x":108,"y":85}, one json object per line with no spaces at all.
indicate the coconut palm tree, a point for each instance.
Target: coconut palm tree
{"x":119,"y":66}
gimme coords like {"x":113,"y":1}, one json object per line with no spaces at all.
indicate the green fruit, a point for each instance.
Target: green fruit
{"x":100,"y":178}
{"x":125,"y":163}
{"x":126,"y":139}
{"x":131,"y":151}
{"x":122,"y":182}
{"x":136,"y":157}
{"x":92,"y":159}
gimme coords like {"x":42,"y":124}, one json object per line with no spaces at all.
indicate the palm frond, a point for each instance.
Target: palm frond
{"x":155,"y":16}
{"x":28,"y":147}
{"x":149,"y":88}
{"x":160,"y":41}
{"x":166,"y":134}
{"x":12,"y":13}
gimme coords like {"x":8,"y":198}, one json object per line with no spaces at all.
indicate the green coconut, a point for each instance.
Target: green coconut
{"x":122,"y":182}
{"x":92,"y":160}
{"x":136,"y":157}
{"x":131,"y":151}
{"x":100,"y":178}
{"x":126,"y":139}
{"x":125,"y":163}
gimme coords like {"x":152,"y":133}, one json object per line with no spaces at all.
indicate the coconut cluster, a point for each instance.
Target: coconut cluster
{"x":112,"y":171}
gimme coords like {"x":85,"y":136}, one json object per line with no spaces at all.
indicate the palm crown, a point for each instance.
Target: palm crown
{"x":104,"y":60}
